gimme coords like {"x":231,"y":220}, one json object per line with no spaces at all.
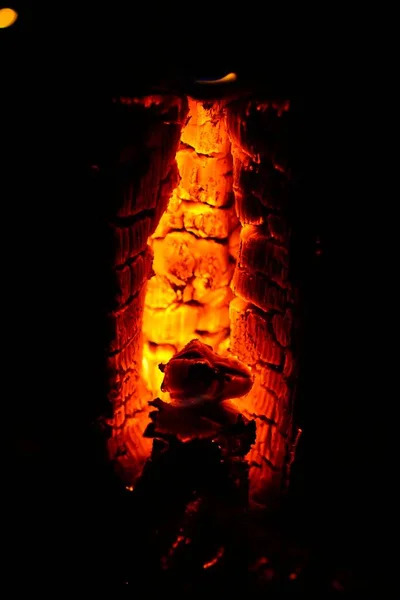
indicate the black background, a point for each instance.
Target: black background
{"x":54,"y":91}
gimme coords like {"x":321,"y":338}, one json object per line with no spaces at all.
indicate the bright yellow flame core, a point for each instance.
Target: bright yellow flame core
{"x":8,"y":16}
{"x":189,"y":295}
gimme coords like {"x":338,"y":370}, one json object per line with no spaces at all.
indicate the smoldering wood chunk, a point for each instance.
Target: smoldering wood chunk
{"x":206,"y":128}
{"x":131,"y":239}
{"x":197,"y":375}
{"x":126,"y":322}
{"x":260,"y":129}
{"x":205,"y":179}
{"x":258,"y":289}
{"x":181,"y":256}
{"x":201,"y":219}
{"x":282,"y":326}
{"x":186,"y":424}
{"x":258,"y":253}
{"x":130,"y":278}
{"x":251,"y":338}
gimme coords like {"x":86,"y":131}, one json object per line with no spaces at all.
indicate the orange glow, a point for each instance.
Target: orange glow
{"x":189,"y":295}
{"x":8,"y":16}
{"x":218,"y":247}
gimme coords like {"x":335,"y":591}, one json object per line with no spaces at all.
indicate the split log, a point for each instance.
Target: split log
{"x":140,"y":175}
{"x":261,"y":317}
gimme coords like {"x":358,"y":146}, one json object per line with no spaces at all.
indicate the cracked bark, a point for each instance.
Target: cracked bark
{"x":262,"y":316}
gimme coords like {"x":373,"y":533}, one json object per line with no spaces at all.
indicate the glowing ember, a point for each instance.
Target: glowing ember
{"x":198,"y":375}
{"x":189,"y":295}
{"x":214,"y":561}
{"x":211,"y":225}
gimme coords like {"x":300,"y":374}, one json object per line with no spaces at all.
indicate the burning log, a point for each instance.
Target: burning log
{"x":261,"y":317}
{"x":204,"y":191}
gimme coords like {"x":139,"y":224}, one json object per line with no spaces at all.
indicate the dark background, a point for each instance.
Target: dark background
{"x":62,"y":496}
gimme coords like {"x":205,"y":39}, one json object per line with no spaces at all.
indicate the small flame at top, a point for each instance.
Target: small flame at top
{"x":229,"y":78}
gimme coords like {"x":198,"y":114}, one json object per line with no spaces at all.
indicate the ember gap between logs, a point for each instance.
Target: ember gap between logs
{"x":202,"y":252}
